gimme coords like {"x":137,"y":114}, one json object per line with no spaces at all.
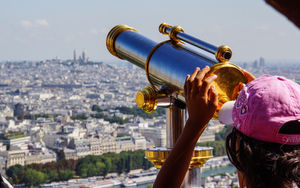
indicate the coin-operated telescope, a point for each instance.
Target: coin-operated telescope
{"x":166,"y":65}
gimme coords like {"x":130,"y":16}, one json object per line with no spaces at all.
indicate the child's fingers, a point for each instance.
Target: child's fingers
{"x":213,"y":97}
{"x":192,"y":77}
{"x":206,"y":83}
{"x":201,"y":74}
{"x":187,"y":85}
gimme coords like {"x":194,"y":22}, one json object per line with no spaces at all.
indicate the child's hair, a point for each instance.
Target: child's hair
{"x":264,"y":164}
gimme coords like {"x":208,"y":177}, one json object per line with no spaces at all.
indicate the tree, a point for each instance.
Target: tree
{"x":219,"y":147}
{"x":35,"y":166}
{"x":96,"y":108}
{"x":16,"y":173}
{"x":52,"y":175}
{"x":149,"y":185}
{"x":66,"y":174}
{"x":108,"y":165}
{"x":223,"y":133}
{"x":82,"y":170}
{"x":50,"y":166}
{"x":101,"y":168}
{"x":139,"y":112}
{"x":80,"y":117}
{"x":128,"y":163}
{"x":67,"y":164}
{"x":92,"y":170}
{"x":35,"y":174}
{"x":146,"y":164}
{"x":121,"y":166}
{"x":34,"y":178}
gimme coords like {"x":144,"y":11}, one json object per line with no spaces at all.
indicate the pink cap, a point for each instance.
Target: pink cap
{"x":267,"y":109}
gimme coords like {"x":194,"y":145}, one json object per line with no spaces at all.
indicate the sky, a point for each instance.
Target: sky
{"x":45,"y":29}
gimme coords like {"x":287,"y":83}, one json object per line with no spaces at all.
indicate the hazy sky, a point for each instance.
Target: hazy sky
{"x":44,"y":29}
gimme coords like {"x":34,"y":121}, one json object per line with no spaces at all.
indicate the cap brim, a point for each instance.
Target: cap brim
{"x":225,"y":113}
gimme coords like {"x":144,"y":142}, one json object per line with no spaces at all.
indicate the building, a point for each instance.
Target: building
{"x":207,"y":136}
{"x":14,"y":156}
{"x":2,"y":147}
{"x":84,"y":57}
{"x":108,"y":144}
{"x":74,"y":56}
{"x":19,"y":111}
{"x":215,"y":127}
{"x":139,"y":142}
{"x":105,"y":144}
{"x":124,"y":144}
{"x":95,"y":146}
{"x":156,"y":135}
{"x":81,"y":146}
{"x":70,"y":154}
{"x":39,"y":154}
{"x":15,"y":139}
{"x":6,"y":111}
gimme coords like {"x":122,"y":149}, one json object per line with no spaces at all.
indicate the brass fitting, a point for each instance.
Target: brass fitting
{"x":174,"y":31}
{"x":113,"y":34}
{"x":146,"y":99}
{"x":158,"y":156}
{"x":223,"y":53}
{"x":163,"y":28}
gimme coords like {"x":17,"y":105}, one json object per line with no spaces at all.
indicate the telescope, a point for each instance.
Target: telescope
{"x":166,"y":65}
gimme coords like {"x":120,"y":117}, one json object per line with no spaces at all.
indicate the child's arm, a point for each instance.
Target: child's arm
{"x":202,"y":101}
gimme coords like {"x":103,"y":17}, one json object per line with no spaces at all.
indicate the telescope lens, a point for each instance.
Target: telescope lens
{"x":146,"y":99}
{"x":227,"y":55}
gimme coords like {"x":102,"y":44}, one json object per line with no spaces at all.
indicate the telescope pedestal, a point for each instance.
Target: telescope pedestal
{"x":175,"y":123}
{"x":193,"y":178}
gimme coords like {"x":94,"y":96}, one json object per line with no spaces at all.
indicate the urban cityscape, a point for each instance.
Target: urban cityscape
{"x":54,"y":110}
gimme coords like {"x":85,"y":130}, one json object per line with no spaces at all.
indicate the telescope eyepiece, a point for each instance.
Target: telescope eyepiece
{"x":223,"y":53}
{"x":163,"y":28}
{"x":227,"y":55}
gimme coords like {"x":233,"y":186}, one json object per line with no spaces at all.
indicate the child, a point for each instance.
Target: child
{"x":264,"y":144}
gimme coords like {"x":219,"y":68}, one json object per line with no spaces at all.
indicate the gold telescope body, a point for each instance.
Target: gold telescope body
{"x":167,"y":63}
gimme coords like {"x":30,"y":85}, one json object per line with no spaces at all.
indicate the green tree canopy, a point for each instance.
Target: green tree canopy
{"x":16,"y":172}
{"x":34,"y":178}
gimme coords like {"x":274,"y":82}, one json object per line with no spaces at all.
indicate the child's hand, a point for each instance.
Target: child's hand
{"x":201,"y":97}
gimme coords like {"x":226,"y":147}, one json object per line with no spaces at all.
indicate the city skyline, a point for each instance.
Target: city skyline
{"x":35,"y":30}
{"x":53,"y":111}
